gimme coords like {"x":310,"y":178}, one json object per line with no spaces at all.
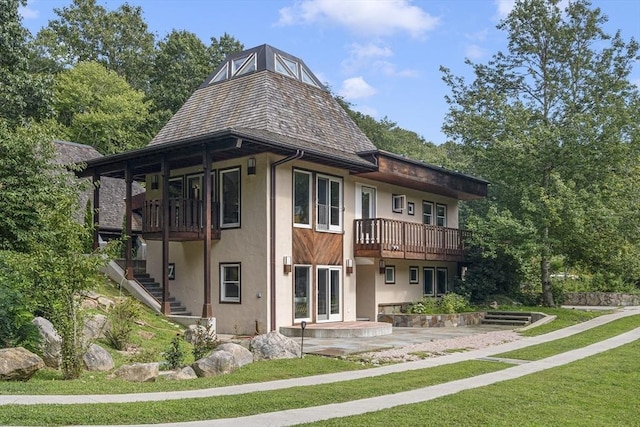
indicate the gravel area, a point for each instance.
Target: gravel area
{"x":439,"y":347}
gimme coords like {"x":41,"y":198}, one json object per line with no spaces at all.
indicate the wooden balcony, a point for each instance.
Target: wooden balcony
{"x":186,"y":220}
{"x":387,"y":238}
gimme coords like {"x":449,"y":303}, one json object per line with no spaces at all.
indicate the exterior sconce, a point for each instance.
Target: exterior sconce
{"x":251,"y":166}
{"x":381,"y":266}
{"x":154,"y":182}
{"x":349,"y":264}
{"x":287,"y":264}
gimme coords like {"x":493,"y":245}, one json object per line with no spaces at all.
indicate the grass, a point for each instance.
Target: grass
{"x":240,"y":405}
{"x":579,"y":340}
{"x":597,"y":391}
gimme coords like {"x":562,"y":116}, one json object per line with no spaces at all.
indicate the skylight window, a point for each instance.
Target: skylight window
{"x":307,"y":78}
{"x":222,"y":74}
{"x":285,"y":68}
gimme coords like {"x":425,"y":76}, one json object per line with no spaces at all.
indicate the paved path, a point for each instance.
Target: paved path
{"x":302,"y":415}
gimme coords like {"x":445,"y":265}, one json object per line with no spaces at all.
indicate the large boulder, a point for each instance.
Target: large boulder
{"x":186,"y":373}
{"x":205,"y":330}
{"x":97,"y":359}
{"x":217,"y":363}
{"x":138,"y":372}
{"x":51,"y":344}
{"x":18,"y":364}
{"x":95,"y":326}
{"x":241,"y":355}
{"x":274,"y":345}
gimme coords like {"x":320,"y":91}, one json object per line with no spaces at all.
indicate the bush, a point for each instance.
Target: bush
{"x":205,"y":340}
{"x":449,"y":304}
{"x":174,"y":355}
{"x":121,"y":318}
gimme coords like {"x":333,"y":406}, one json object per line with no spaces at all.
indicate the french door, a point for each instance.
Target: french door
{"x":329,"y":294}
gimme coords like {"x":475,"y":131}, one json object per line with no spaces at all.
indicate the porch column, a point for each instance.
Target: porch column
{"x":96,"y":210}
{"x":206,"y":191}
{"x":165,"y":306}
{"x":128,"y":176}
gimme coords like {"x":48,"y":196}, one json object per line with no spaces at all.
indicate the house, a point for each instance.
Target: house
{"x":267,"y":206}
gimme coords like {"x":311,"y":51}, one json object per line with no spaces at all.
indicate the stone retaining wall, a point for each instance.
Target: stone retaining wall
{"x":431,"y":320}
{"x":607,"y":299}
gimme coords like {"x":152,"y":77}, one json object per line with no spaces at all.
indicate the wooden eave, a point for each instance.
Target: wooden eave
{"x":397,"y":170}
{"x":224,"y":145}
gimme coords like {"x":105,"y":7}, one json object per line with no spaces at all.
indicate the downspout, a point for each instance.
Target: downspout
{"x":272,"y":231}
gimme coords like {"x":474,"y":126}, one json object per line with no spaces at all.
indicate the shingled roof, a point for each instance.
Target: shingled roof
{"x":272,"y":95}
{"x":112,"y":190}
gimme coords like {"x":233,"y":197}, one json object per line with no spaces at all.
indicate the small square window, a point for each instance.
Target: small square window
{"x":413,"y":275}
{"x":398,"y":203}
{"x":390,"y":274}
{"x":411,"y":208}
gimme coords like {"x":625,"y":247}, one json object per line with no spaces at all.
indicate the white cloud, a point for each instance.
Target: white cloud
{"x":366,"y":109}
{"x":28,"y":13}
{"x":356,"y":88}
{"x":389,"y":69}
{"x":478,"y":36}
{"x":504,"y":7}
{"x":365,"y":17}
{"x":473,"y":51}
{"x":361,"y":56}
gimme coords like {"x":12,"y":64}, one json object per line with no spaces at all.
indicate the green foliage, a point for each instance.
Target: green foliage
{"x":16,"y":308}
{"x":450,"y":303}
{"x":204,"y":339}
{"x":553,"y":124}
{"x":85,"y":31}
{"x":121,"y":318}
{"x":174,"y":355}
{"x":99,"y":108}
{"x":23,"y":94}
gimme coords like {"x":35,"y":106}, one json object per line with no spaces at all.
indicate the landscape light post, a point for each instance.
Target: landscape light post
{"x":303,"y":325}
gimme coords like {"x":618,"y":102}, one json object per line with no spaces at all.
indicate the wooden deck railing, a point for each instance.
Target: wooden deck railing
{"x":400,"y":239}
{"x":185,"y":216}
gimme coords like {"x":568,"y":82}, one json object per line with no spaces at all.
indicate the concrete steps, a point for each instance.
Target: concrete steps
{"x":507,"y":318}
{"x":155,"y":290}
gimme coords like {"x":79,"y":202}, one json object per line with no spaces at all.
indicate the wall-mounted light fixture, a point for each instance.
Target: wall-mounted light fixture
{"x":251,"y":166}
{"x":287,"y":264}
{"x":349,"y":265}
{"x":154,"y":182}
{"x":381,"y":266}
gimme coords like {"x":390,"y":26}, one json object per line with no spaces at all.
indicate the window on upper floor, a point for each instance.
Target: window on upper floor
{"x":301,"y":199}
{"x":427,"y":213}
{"x":441,"y":215}
{"x":329,"y":203}
{"x":230,"y":198}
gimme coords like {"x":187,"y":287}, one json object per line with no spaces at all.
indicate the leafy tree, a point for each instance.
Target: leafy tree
{"x":22,"y":94}
{"x":100,"y":109}
{"x":553,"y":124}
{"x":181,"y":65}
{"x":85,"y":31}
{"x":220,"y":48}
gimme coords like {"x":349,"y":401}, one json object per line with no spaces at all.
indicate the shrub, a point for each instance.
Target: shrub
{"x":121,"y":318}
{"x":174,"y":355}
{"x":205,"y":340}
{"x":449,"y":303}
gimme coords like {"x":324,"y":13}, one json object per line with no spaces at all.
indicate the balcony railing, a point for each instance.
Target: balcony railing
{"x":387,"y":238}
{"x":186,"y":217}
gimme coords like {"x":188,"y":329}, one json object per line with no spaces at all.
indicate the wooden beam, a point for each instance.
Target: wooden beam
{"x":128,"y":226}
{"x":207,"y":311}
{"x":165,"y":307}
{"x":96,"y":211}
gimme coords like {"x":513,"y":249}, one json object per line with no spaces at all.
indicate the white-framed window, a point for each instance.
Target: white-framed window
{"x":427,"y":212}
{"x":390,"y":275}
{"x":414,"y":275}
{"x":230,"y":198}
{"x":428,"y":288}
{"x":441,"y":215}
{"x":302,"y":292}
{"x":441,"y":280}
{"x":230,"y":282}
{"x":398,"y":203}
{"x":365,"y":202}
{"x":329,"y":203}
{"x":329,"y":293}
{"x":302,"y":198}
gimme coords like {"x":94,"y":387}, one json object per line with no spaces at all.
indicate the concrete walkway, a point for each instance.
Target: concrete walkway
{"x":296,"y":416}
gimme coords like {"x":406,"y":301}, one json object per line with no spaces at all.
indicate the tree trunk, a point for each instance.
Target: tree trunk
{"x":545,"y":273}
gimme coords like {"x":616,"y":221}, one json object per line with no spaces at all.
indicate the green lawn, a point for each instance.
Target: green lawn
{"x":587,"y":382}
{"x":581,"y":339}
{"x":601,"y":390}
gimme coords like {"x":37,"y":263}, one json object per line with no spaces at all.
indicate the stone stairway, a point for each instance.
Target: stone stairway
{"x":155,"y":290}
{"x":507,"y":318}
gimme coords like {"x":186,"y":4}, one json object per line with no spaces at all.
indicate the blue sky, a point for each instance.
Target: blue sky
{"x":383,"y":56}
